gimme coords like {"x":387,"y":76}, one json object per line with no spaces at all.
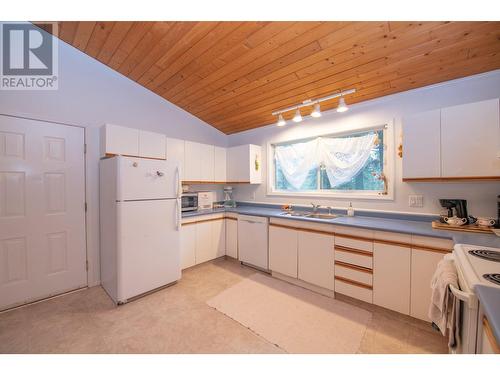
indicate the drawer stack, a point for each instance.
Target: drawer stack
{"x":354,"y":267}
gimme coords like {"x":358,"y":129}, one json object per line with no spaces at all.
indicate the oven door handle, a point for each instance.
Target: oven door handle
{"x":462,"y":296}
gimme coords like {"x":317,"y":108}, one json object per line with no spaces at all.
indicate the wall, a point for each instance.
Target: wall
{"x":91,"y":94}
{"x":481,"y":196}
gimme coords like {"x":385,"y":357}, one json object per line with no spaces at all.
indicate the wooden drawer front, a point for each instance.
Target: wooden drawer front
{"x":354,"y":291}
{"x":358,"y":258}
{"x":354,"y":243}
{"x":354,"y":273}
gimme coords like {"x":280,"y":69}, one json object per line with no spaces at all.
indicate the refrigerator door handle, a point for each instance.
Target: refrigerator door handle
{"x":178,"y":182}
{"x":178,"y":214}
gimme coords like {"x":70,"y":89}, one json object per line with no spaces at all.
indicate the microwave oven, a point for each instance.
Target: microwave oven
{"x":189,"y":202}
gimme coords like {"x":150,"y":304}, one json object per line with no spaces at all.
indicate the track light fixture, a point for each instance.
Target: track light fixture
{"x":342,"y":107}
{"x":316,"y":112}
{"x":281,"y":120}
{"x":298,"y":116}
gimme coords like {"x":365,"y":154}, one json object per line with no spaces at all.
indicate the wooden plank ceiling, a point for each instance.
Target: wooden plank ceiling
{"x":234,"y":74}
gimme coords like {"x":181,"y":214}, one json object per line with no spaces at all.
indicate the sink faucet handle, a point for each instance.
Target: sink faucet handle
{"x":315,"y":206}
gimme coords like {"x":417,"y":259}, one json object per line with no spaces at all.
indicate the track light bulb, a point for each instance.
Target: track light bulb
{"x":342,"y":107}
{"x":297,"y":117}
{"x":316,"y":111}
{"x":281,"y":120}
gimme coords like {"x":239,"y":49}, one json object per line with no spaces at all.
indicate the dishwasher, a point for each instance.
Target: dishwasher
{"x":253,"y":240}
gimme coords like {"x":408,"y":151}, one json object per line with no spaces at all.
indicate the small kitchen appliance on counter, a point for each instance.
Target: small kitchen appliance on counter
{"x":458,"y":218}
{"x":228,"y":197}
{"x":460,"y":207}
{"x":206,"y":200}
{"x":189,"y":202}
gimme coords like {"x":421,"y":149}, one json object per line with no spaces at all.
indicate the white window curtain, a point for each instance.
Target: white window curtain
{"x":342,"y":158}
{"x":296,"y":160}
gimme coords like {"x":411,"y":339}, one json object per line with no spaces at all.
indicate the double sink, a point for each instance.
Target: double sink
{"x":312,"y":215}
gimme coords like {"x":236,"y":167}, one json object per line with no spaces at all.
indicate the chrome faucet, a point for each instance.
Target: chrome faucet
{"x":315,"y":207}
{"x":329,"y":210}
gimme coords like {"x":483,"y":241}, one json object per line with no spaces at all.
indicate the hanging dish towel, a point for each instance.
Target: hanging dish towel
{"x":444,"y":310}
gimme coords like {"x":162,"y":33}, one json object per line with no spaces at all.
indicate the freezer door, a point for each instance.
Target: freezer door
{"x":148,"y":246}
{"x":147,"y":179}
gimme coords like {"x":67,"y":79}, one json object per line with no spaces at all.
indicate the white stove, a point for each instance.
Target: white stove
{"x":479,"y":265}
{"x":476,"y":265}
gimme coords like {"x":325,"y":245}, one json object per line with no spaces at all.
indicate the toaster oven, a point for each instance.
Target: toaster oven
{"x":189,"y":202}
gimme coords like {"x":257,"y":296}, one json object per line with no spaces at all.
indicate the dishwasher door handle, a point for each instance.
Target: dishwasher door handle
{"x":251,"y":222}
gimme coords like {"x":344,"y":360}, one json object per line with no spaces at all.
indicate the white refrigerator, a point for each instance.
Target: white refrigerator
{"x":140,"y":218}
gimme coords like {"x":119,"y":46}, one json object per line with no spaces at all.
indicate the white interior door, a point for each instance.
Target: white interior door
{"x":42,"y":213}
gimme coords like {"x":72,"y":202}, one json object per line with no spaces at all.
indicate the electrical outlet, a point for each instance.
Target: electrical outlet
{"x":416,"y":200}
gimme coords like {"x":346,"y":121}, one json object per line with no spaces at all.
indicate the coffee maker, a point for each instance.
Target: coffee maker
{"x":460,"y":207}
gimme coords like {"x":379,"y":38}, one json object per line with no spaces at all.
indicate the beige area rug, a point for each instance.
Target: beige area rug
{"x":293,"y":318}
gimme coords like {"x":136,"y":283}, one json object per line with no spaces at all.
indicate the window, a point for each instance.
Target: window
{"x":333,"y":164}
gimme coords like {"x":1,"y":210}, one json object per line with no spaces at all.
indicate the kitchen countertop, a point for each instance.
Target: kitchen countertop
{"x":490,"y":301}
{"x":415,"y":227}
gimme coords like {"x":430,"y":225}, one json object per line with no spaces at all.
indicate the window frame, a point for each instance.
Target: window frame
{"x":388,"y":166}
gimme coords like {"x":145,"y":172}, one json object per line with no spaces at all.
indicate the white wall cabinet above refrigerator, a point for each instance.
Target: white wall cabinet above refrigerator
{"x":244,"y":164}
{"x":453,"y":143}
{"x":120,"y":140}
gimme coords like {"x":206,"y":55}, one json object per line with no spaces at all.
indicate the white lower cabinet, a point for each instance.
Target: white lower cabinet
{"x":188,"y":246}
{"x":423,"y":265}
{"x":283,"y":250}
{"x":218,"y":238}
{"x":202,"y":241}
{"x":232,"y":238}
{"x":204,"y":244}
{"x":316,"y":259}
{"x":391,"y":277}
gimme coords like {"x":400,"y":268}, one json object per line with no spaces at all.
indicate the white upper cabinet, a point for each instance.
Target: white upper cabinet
{"x":119,"y":140}
{"x":207,"y":163}
{"x":220,"y":164}
{"x":152,"y":145}
{"x":470,"y":140}
{"x":175,"y":151}
{"x":454,"y":142}
{"x":198,"y":162}
{"x":244,"y":164}
{"x":192,"y":161}
{"x":421,"y":145}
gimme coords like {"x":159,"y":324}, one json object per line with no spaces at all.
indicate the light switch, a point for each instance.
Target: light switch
{"x":416,"y":200}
